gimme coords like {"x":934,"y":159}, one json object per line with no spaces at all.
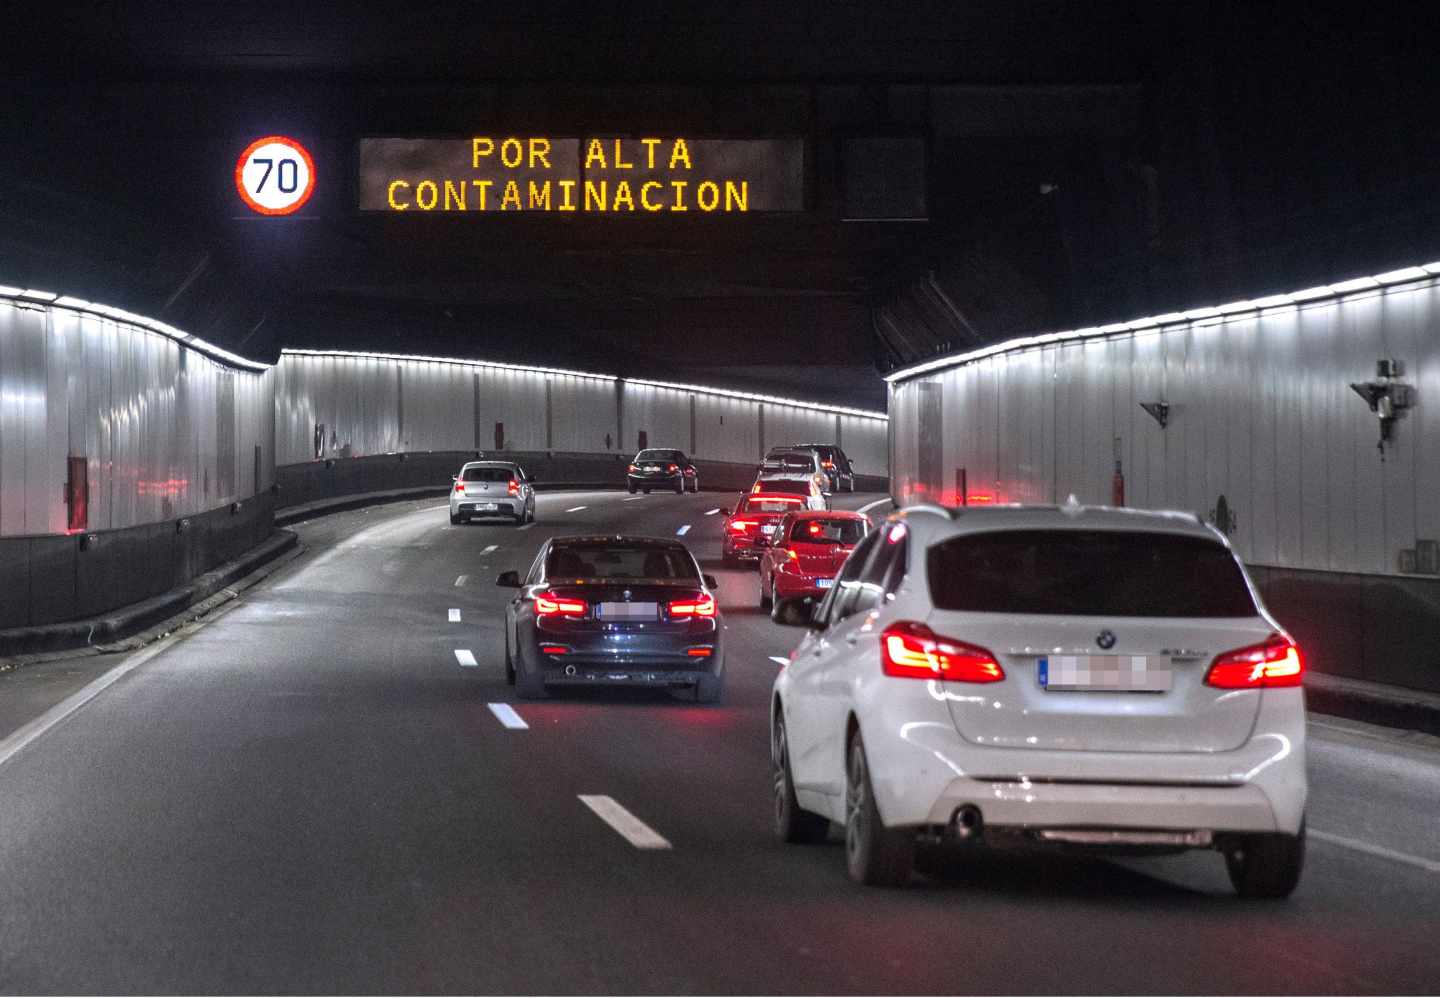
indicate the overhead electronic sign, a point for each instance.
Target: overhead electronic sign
{"x":613,"y":175}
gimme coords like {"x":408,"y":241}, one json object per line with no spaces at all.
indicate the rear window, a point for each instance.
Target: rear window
{"x":786,"y":486}
{"x":657,"y":455}
{"x":1088,"y":573}
{"x":486,"y":475}
{"x":828,"y":531}
{"x":790,"y":461}
{"x":773,"y":504}
{"x":618,"y":561}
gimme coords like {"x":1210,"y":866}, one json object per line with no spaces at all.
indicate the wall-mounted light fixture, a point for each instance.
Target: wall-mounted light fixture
{"x":1387,"y":397}
{"x":1159,"y":411}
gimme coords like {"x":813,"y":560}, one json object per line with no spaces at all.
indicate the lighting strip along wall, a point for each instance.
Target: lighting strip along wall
{"x":1207,"y":315}
{"x":24,"y":296}
{"x":751,"y":397}
{"x":458,"y":361}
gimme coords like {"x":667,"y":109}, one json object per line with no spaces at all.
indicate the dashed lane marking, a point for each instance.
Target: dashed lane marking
{"x":507,"y":716}
{"x":1429,"y":865}
{"x":528,"y":525}
{"x":683,"y":530}
{"x":487,"y":550}
{"x":872,"y":505}
{"x":454,"y":615}
{"x":712,"y":512}
{"x":635,"y":831}
{"x":633,"y":499}
{"x":465,"y":657}
{"x":779,"y":660}
{"x":460,"y":580}
{"x":576,"y":509}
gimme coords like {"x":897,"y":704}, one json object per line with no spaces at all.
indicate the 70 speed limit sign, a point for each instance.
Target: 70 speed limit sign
{"x":275,"y":175}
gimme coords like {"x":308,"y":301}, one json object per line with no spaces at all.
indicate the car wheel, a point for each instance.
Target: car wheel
{"x":530,"y":686}
{"x":680,"y":487}
{"x":509,"y":662}
{"x":767,"y":596}
{"x":519,"y":518}
{"x":647,"y":491}
{"x":874,"y":855}
{"x":1266,"y":865}
{"x":709,"y":689}
{"x":631,"y":486}
{"x":792,"y":823}
{"x":774,"y":603}
{"x":454,"y":519}
{"x":729,"y":560}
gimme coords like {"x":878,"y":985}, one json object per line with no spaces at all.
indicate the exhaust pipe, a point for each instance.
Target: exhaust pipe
{"x":569,"y":670}
{"x":967,"y":823}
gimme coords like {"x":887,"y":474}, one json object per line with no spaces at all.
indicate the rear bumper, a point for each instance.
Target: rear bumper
{"x":509,"y":506}
{"x":644,"y":480}
{"x":620,"y":675}
{"x":789,"y":586}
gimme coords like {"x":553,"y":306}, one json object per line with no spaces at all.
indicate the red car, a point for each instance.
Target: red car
{"x":752,"y":523}
{"x":806,"y":553}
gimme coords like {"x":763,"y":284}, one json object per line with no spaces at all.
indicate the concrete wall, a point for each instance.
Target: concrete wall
{"x":1261,"y":416}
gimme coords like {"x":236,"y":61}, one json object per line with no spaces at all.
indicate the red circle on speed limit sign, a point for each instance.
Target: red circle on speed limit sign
{"x":275,"y":175}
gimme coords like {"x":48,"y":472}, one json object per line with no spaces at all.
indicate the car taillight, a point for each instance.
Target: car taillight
{"x":740,"y":526}
{"x":550,"y":605}
{"x":700,"y":652}
{"x":632,"y":468}
{"x":790,"y":553}
{"x":672,"y":467}
{"x":703,"y":606}
{"x":1275,"y":662}
{"x":828,"y":464}
{"x":911,"y":650}
{"x":459,"y":486}
{"x":756,"y":488}
{"x":514,"y":487}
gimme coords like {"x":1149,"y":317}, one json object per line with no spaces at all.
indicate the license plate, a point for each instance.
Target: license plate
{"x":628,"y":611}
{"x":1113,"y":673}
{"x":824,"y":583}
{"x":770,"y":529}
{"x":487,"y":507}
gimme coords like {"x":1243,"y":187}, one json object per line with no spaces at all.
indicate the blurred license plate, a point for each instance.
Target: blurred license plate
{"x":824,"y":583}
{"x":628,"y":611}
{"x":488,"y":507}
{"x":769,"y":528}
{"x":1117,"y":673}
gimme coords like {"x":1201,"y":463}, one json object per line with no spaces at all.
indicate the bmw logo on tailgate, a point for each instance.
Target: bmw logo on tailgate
{"x":1105,"y":639}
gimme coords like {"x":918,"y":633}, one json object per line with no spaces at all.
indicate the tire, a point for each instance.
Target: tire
{"x":729,"y":560}
{"x":454,"y":519}
{"x":519,"y":518}
{"x":695,"y":486}
{"x":631,"y":486}
{"x":647,"y":491}
{"x":530,"y":514}
{"x":509,"y":662}
{"x":792,"y":823}
{"x":874,"y":855}
{"x":710,"y":689}
{"x":774,"y":603}
{"x":530,"y":686}
{"x":1266,"y":865}
{"x":680,"y":487}
{"x":767,"y":599}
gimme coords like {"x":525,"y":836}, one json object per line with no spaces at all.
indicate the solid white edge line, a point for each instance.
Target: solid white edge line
{"x":27,"y":733}
{"x":779,"y":660}
{"x":576,"y":509}
{"x":1429,"y":865}
{"x":454,"y":615}
{"x":507,"y":716}
{"x":635,"y":831}
{"x":712,"y":512}
{"x":465,"y":657}
{"x":460,"y":580}
{"x":485,"y":551}
{"x":683,"y":530}
{"x":872,"y":505}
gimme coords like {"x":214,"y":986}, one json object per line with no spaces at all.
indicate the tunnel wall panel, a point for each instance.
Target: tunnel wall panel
{"x":1261,"y":414}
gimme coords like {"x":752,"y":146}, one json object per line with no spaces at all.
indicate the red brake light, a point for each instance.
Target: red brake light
{"x":554,"y":650}
{"x":828,"y":464}
{"x":514,"y":487}
{"x":912,"y":651}
{"x":459,"y":486}
{"x":740,"y":526}
{"x":632,"y":468}
{"x":700,"y":652}
{"x":672,"y":467}
{"x":702,"y":606}
{"x":549,"y":605}
{"x":1276,"y":662}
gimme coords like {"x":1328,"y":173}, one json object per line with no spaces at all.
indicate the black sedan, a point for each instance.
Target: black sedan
{"x":604,"y":611}
{"x":661,"y":468}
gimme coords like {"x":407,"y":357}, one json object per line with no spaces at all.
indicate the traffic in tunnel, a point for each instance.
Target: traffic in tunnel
{"x":876,"y":498}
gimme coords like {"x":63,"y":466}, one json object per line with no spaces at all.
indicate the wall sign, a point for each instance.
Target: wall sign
{"x":275,"y":175}
{"x":624,"y":175}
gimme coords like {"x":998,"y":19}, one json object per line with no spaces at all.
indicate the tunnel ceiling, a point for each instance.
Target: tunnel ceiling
{"x":1063,"y":144}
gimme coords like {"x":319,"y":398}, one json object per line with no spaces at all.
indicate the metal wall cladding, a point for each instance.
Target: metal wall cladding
{"x":1261,"y":416}
{"x":145,"y":413}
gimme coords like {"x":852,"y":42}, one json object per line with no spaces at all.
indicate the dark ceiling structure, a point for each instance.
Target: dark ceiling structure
{"x":1078,"y":162}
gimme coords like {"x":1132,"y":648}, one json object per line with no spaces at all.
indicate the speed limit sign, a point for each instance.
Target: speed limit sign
{"x":275,"y":175}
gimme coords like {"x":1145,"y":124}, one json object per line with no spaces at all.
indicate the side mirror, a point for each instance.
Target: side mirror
{"x":510,"y":580}
{"x":797,"y":611}
{"x":711,"y":582}
{"x":454,"y":478}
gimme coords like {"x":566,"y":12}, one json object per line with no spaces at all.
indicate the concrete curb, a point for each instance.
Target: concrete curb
{"x":1374,"y":703}
{"x":23,"y":645}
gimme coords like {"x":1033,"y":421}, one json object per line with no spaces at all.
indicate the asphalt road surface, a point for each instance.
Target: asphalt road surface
{"x":311,"y":791}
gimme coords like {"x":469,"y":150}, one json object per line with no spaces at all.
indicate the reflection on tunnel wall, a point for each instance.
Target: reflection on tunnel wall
{"x":1264,"y":436}
{"x":104,"y":424}
{"x":363,"y":406}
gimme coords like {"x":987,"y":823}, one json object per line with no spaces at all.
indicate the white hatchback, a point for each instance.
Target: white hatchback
{"x":1102,"y":678}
